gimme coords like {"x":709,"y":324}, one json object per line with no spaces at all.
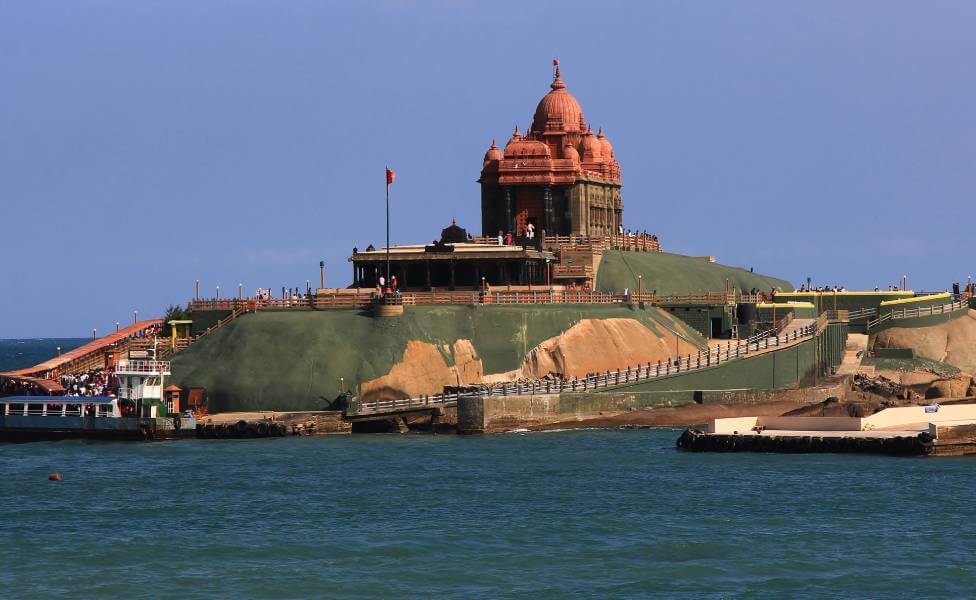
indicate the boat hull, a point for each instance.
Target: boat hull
{"x":20,"y":429}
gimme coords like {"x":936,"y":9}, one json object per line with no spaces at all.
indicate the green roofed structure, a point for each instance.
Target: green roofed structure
{"x":675,"y":274}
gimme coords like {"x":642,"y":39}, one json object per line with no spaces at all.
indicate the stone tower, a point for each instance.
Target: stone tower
{"x":559,"y":176}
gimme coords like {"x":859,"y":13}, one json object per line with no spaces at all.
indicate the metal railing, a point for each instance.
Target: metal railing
{"x":636,"y":242}
{"x":924,"y":311}
{"x":861,"y":313}
{"x":143,"y":366}
{"x":363,"y":299}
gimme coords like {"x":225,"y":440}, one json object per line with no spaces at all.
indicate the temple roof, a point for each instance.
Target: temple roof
{"x":558,"y":110}
{"x":558,"y":149}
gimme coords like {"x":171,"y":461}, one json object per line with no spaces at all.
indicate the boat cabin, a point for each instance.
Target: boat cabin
{"x":59,"y":406}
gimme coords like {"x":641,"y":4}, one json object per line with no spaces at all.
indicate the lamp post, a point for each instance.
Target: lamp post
{"x":218,"y":292}
{"x":240,"y":291}
{"x":904,"y":283}
{"x":93,"y":332}
{"x":196,"y":293}
{"x":59,"y":350}
{"x":116,"y":327}
{"x":135,"y":317}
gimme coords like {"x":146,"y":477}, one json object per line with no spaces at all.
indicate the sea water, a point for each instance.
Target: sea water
{"x":573,"y":513}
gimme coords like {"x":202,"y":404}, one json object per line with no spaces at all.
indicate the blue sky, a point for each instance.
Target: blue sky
{"x":144,"y":145}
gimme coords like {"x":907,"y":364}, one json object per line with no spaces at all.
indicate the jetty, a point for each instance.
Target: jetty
{"x":946,"y":430}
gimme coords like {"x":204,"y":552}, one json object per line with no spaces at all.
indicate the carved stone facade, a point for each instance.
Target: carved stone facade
{"x":560,"y":176}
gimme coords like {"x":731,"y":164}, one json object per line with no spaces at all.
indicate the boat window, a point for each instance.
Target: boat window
{"x":74,"y":410}
{"x":35,"y":409}
{"x":15,"y":409}
{"x":55,"y":409}
{"x":104,"y":410}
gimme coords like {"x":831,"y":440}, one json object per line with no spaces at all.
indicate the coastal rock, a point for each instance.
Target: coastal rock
{"x":424,"y":370}
{"x":598,"y":345}
{"x":953,"y":342}
{"x":954,"y":387}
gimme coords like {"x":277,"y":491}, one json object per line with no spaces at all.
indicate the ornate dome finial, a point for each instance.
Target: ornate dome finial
{"x":493,"y":153}
{"x":557,"y":81}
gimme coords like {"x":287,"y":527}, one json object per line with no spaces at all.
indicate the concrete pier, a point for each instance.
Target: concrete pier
{"x":948,"y":430}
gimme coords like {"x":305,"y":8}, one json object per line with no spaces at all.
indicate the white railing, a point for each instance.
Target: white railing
{"x":923,"y":311}
{"x":143,"y":366}
{"x":632,"y":374}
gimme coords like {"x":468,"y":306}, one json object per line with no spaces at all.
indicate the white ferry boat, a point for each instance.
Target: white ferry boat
{"x":139,"y":412}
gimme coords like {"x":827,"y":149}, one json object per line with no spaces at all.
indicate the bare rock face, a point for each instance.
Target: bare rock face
{"x":423,"y":370}
{"x":590,"y":346}
{"x":466,"y":363}
{"x":598,"y":345}
{"x":952,"y":387}
{"x":953,"y":342}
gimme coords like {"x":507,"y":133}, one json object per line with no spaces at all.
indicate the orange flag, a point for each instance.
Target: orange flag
{"x":389,"y":175}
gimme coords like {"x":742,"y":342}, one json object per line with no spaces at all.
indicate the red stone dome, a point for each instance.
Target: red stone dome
{"x":570,"y":152}
{"x":493,"y":153}
{"x":606,"y":150}
{"x":519,"y":147}
{"x":592,"y":149}
{"x":558,"y":110}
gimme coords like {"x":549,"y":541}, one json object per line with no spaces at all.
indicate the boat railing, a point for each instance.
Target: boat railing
{"x":66,"y":406}
{"x":143,"y":366}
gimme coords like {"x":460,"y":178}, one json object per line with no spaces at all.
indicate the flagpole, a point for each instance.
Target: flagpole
{"x":387,"y":177}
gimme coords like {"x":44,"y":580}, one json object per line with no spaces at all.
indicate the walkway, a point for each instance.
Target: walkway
{"x":53,"y":364}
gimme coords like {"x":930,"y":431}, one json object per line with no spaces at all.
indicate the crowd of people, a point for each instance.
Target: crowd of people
{"x":14,"y":387}
{"x":91,"y":383}
{"x":968,"y":290}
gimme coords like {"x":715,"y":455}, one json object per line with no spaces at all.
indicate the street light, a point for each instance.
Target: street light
{"x":218,"y":292}
{"x":135,"y":317}
{"x":93,"y":332}
{"x":59,"y":350}
{"x":116,"y":327}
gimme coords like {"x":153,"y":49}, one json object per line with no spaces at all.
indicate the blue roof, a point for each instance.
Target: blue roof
{"x":58,"y":399}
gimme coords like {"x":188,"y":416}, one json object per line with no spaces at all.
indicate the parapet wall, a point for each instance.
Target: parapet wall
{"x":850,"y":301}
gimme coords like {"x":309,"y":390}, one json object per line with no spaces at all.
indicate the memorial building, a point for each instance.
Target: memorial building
{"x":560,"y":176}
{"x":557,"y":184}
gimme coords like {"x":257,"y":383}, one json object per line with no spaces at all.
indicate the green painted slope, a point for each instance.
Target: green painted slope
{"x":676,"y":274}
{"x":289,"y":360}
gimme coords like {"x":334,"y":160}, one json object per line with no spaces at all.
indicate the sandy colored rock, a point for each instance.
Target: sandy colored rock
{"x":466,"y":362}
{"x":953,"y":342}
{"x":423,"y":370}
{"x":909,"y":378}
{"x":594,"y":345}
{"x":950,"y":387}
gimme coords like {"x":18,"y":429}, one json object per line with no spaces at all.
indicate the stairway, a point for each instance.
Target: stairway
{"x":857,"y":343}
